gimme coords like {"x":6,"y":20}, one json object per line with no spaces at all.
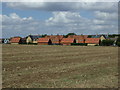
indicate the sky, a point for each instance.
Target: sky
{"x":24,"y":18}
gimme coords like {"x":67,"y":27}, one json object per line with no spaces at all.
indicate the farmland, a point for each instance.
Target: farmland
{"x":35,"y":66}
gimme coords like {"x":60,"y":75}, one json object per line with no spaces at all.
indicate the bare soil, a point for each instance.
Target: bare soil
{"x":35,"y":66}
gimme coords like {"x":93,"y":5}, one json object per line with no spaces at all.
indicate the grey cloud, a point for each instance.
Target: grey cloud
{"x":81,"y":24}
{"x":66,"y":6}
{"x":59,"y":23}
{"x":106,"y":15}
{"x":12,"y":26}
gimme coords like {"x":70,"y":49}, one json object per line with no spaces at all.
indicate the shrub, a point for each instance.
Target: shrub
{"x":32,"y":43}
{"x":118,"y":43}
{"x":44,"y":35}
{"x":96,"y":45}
{"x":65,"y":36}
{"x":107,"y":42}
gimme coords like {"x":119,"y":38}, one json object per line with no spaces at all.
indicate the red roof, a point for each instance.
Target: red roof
{"x":67,"y":40}
{"x":92,"y":40}
{"x":85,"y":36}
{"x":78,"y":38}
{"x":15,"y":40}
{"x":55,"y":38}
{"x":71,"y":36}
{"x":40,"y":40}
{"x":48,"y":36}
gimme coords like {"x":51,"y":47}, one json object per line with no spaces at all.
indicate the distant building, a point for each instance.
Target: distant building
{"x":68,"y":41}
{"x":15,"y":40}
{"x":32,"y":39}
{"x":85,"y":36}
{"x":102,"y":37}
{"x":44,"y":41}
{"x":78,"y":38}
{"x":6,"y":41}
{"x":56,"y":39}
{"x":23,"y":41}
{"x":92,"y":41}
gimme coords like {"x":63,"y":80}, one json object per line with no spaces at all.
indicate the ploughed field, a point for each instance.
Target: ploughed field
{"x":35,"y":66}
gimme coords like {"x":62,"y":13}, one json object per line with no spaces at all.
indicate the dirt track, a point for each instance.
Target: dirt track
{"x":34,"y":66}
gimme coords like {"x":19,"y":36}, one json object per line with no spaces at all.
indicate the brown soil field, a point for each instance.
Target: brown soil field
{"x":35,"y":66}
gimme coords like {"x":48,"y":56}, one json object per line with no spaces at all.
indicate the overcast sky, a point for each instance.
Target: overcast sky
{"x":24,"y":18}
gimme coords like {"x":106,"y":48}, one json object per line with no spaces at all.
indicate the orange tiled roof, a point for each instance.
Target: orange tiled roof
{"x":67,"y":40}
{"x":48,"y":36}
{"x":85,"y":36}
{"x":78,"y":38}
{"x":55,"y":38}
{"x":15,"y":40}
{"x":92,"y":40}
{"x":71,"y":36}
{"x":43,"y":40}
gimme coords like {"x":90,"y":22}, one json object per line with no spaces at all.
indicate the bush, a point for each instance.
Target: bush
{"x":107,"y":42}
{"x":96,"y":45}
{"x":65,"y":36}
{"x":118,"y":41}
{"x":44,"y":35}
{"x":118,"y":44}
{"x":32,"y":43}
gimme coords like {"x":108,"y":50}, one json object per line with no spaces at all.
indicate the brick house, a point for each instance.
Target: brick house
{"x":102,"y":37}
{"x":44,"y":41}
{"x":15,"y":40}
{"x":55,"y":39}
{"x":78,"y":38}
{"x":68,"y":41}
{"x":32,"y":39}
{"x":92,"y":41}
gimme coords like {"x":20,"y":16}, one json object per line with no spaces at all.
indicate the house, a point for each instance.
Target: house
{"x":23,"y":41}
{"x":102,"y":37}
{"x":44,"y":41}
{"x":6,"y":41}
{"x":71,"y":36}
{"x":78,"y":38}
{"x":68,"y":41}
{"x":32,"y":39}
{"x":56,"y":39}
{"x":15,"y":40}
{"x":85,"y":36}
{"x":92,"y":41}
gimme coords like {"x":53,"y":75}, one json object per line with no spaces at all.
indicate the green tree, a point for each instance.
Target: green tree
{"x":69,"y":34}
{"x":44,"y":35}
{"x":89,"y":36}
{"x":118,"y":41}
{"x":107,"y":42}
